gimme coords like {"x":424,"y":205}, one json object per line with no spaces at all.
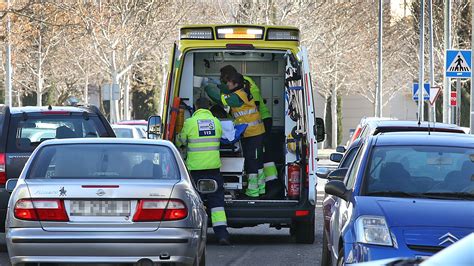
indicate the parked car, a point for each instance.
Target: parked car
{"x":140,"y":124}
{"x":133,"y":203}
{"x":127,"y":131}
{"x":22,"y":129}
{"x":361,"y":125}
{"x":406,"y":194}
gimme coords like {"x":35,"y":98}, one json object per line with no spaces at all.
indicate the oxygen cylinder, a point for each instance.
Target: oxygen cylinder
{"x":294,"y":184}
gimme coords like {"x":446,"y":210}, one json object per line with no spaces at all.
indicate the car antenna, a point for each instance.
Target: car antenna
{"x":50,"y":107}
{"x":429,"y":129}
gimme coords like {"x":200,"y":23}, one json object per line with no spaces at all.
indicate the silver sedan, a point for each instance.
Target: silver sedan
{"x":106,"y":201}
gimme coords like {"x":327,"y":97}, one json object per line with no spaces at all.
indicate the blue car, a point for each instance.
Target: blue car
{"x":407,"y":194}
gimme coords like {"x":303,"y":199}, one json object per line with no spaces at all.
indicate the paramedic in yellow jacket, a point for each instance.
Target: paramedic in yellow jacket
{"x":269,"y":167}
{"x":245,"y":111}
{"x":201,"y":135}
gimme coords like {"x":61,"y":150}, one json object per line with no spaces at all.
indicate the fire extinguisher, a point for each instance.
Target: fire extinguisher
{"x":294,"y":184}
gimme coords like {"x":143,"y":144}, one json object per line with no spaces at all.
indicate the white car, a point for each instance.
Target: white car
{"x":128,"y":131}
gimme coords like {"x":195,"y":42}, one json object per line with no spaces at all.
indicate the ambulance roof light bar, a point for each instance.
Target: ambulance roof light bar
{"x":283,"y":35}
{"x":240,"y":33}
{"x":196,"y":34}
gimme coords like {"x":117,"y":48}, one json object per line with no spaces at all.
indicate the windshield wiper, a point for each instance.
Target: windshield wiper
{"x":450,"y":195}
{"x":394,"y":194}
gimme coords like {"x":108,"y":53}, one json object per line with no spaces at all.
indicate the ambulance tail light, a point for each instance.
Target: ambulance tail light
{"x":196,"y":34}
{"x":240,"y":33}
{"x":283,"y":35}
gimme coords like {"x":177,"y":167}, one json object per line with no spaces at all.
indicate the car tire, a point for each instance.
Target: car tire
{"x":304,"y":231}
{"x":340,"y":257}
{"x":326,"y":255}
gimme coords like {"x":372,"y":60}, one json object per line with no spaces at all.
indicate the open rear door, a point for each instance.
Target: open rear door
{"x":170,"y":90}
{"x":310,"y":122}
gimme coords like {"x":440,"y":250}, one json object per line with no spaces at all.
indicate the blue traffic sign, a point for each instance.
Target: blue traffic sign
{"x":458,"y":63}
{"x":426,"y":92}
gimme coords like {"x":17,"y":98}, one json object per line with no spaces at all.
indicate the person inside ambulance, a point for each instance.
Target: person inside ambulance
{"x":244,"y":110}
{"x":201,"y":136}
{"x":272,"y":184}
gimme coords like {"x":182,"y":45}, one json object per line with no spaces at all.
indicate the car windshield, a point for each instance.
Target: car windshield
{"x":102,"y":161}
{"x":421,"y":171}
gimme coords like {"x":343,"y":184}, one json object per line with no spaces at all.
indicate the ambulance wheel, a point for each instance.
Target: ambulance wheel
{"x":304,"y":231}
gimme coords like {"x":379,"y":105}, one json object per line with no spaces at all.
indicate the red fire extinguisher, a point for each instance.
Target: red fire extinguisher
{"x":294,"y":181}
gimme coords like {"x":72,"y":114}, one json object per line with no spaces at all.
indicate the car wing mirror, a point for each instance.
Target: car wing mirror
{"x":336,"y":157}
{"x":341,"y":149}
{"x":319,"y":129}
{"x":322,"y":172}
{"x":338,"y":189}
{"x":11,"y":184}
{"x":154,"y":127}
{"x":206,"y":186}
{"x":338,"y":174}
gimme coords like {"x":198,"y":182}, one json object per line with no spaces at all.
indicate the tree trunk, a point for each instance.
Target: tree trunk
{"x":334,"y":117}
{"x":126,"y":98}
{"x":86,"y":89}
{"x":39,"y":81}
{"x":323,"y":143}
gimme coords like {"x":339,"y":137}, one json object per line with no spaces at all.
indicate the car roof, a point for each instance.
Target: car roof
{"x":132,"y":122}
{"x":101,"y":141}
{"x":400,"y":125}
{"x":423,"y":138}
{"x":38,"y":109}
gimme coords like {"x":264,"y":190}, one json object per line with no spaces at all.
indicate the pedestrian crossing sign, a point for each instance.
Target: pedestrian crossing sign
{"x":458,"y":63}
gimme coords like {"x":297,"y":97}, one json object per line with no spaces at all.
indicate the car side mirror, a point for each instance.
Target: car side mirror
{"x":11,"y":184}
{"x":323,"y":172}
{"x":338,"y":174}
{"x":341,"y":149}
{"x":336,"y":157}
{"x":338,"y":189}
{"x":206,"y":186}
{"x":319,"y":129}
{"x":154,"y":127}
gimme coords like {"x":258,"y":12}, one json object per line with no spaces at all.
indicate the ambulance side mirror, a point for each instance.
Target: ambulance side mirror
{"x":154,"y":127}
{"x":319,"y":129}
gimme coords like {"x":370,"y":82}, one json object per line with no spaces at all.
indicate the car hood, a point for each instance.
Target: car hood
{"x":406,"y":212}
{"x":422,"y":222}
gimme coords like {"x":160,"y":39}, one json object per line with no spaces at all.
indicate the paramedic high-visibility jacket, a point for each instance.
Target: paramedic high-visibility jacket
{"x":256,"y":94}
{"x":201,"y":134}
{"x":243,"y":110}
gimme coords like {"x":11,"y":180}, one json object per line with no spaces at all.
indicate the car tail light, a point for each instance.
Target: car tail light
{"x":301,"y":213}
{"x":55,"y":113}
{"x":41,"y":210}
{"x":3,"y":174}
{"x":160,"y":210}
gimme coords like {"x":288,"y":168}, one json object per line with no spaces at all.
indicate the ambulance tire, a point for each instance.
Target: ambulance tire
{"x":304,"y":231}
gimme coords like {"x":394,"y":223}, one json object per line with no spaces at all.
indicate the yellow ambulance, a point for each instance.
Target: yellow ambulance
{"x":273,"y":58}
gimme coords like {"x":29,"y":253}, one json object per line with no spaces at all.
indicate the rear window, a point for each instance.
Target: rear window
{"x":104,"y":161}
{"x":26,"y":135}
{"x":123,"y":132}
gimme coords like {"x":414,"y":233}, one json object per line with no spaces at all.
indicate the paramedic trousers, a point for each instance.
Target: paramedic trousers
{"x":214,"y":201}
{"x":268,"y":123}
{"x":252,"y":148}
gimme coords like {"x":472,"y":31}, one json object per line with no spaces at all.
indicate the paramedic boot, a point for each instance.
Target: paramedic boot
{"x":274,"y":188}
{"x":252,"y":186}
{"x":261,"y":182}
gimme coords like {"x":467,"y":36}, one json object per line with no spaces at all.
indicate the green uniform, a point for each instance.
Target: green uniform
{"x":201,"y":134}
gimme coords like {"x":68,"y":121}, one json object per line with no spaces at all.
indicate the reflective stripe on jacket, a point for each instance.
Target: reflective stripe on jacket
{"x":201,"y":134}
{"x":248,"y":114}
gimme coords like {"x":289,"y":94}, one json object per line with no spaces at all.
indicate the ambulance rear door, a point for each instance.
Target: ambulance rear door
{"x":310,"y":125}
{"x":169,"y":92}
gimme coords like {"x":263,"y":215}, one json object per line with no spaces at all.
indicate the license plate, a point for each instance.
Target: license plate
{"x":100,"y":208}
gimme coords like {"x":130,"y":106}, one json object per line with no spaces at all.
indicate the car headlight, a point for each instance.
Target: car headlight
{"x":373,"y":230}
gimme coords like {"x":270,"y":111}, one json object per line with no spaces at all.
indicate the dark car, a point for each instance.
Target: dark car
{"x":406,"y":194}
{"x":24,"y":128}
